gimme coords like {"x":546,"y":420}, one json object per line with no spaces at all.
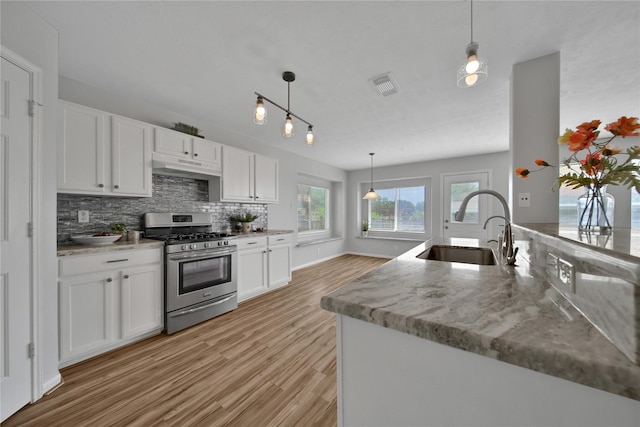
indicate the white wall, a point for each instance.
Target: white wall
{"x":535,"y":126}
{"x":26,"y":34}
{"x":281,"y":215}
{"x":497,"y":163}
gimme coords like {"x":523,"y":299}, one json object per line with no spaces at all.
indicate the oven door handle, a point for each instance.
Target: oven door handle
{"x":213,"y":254}
{"x":193,"y":310}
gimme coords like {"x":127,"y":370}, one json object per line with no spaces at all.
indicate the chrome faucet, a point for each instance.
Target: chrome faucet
{"x":505,"y":245}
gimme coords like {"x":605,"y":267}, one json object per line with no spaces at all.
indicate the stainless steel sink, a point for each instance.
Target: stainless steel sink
{"x":464,"y":254}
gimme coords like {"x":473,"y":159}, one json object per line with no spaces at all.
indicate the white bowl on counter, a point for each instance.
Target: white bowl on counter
{"x":89,"y":239}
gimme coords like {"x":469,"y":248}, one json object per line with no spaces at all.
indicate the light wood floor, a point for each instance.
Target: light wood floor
{"x":271,"y":362}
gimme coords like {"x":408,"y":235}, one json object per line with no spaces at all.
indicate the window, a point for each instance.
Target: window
{"x":399,"y":209}
{"x":313,"y":206}
{"x":402,"y":210}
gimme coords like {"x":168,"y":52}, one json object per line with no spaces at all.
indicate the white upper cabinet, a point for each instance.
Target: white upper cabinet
{"x":246,"y":177}
{"x":102,"y":154}
{"x":188,"y":147}
{"x":130,"y":157}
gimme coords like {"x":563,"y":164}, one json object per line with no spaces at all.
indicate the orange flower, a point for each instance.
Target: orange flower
{"x":589,"y":126}
{"x":624,"y":127}
{"x":564,"y":138}
{"x":581,"y":139}
{"x":592,"y":164}
{"x":541,"y":162}
{"x":522,"y":172}
{"x":607,"y":150}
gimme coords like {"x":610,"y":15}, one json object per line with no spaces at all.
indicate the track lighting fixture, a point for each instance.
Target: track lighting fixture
{"x":371,"y":194}
{"x":260,"y":113}
{"x":474,"y":71}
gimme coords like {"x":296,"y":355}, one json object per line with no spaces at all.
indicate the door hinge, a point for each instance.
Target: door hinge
{"x":32,"y":107}
{"x":32,"y":351}
{"x":29,"y":229}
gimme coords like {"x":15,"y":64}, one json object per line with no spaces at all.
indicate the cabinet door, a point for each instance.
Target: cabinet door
{"x":82,"y":156}
{"x":130,"y":157}
{"x":174,"y":143}
{"x":86,"y":314}
{"x":237,"y":175}
{"x":252,"y":272}
{"x":266,"y":179}
{"x":279,"y":265}
{"x":141,"y":298}
{"x":207,"y":151}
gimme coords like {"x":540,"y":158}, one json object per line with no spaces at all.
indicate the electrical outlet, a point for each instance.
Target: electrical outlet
{"x":524,"y":200}
{"x":83,"y":216}
{"x":567,"y":275}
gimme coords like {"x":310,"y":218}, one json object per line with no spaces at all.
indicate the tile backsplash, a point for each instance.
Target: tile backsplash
{"x":170,"y":194}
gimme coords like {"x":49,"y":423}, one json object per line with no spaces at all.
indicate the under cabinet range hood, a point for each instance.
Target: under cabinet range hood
{"x":165,"y":164}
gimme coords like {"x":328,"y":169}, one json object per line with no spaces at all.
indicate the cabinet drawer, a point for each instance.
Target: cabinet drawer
{"x":251,"y":242}
{"x":280,"y":239}
{"x":82,"y":264}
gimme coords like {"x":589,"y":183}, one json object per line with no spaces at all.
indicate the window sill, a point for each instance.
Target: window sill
{"x":403,"y":239}
{"x":318,"y":241}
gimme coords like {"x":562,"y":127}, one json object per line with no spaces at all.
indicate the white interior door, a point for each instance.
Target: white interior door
{"x":15,"y":245}
{"x":455,"y":188}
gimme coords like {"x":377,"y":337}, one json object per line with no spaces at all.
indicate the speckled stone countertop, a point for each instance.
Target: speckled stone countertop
{"x":66,"y":250}
{"x":507,"y":313}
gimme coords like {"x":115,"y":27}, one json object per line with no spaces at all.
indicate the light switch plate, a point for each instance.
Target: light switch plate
{"x":83,"y":216}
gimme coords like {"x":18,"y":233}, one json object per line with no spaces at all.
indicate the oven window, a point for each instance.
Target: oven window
{"x":200,"y":274}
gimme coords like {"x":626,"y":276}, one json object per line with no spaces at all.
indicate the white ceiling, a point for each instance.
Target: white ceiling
{"x":205,"y":59}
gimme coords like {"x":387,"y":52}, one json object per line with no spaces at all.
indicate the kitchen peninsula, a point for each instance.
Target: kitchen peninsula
{"x":400,"y":330}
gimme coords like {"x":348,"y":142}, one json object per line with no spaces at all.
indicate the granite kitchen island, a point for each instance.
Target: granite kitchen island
{"x":425,"y":342}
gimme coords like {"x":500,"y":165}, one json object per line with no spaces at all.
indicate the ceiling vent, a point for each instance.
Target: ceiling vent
{"x":385,"y":84}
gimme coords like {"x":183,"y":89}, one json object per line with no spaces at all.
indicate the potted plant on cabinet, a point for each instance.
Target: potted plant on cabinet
{"x":244,"y":219}
{"x":365,"y":228}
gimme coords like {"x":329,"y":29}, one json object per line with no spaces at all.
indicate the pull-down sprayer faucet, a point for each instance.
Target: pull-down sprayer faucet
{"x":507,"y":252}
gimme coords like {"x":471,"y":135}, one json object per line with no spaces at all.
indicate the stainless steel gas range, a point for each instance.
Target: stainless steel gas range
{"x":200,"y":268}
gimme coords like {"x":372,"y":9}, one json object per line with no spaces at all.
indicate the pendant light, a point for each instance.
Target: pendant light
{"x":474,"y":70}
{"x":288,"y":130}
{"x":371,"y":194}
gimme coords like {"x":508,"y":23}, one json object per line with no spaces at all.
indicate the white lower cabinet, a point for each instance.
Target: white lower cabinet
{"x":108,"y":300}
{"x":264,"y":263}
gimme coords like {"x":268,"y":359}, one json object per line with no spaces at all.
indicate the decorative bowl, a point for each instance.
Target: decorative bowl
{"x":88,"y":239}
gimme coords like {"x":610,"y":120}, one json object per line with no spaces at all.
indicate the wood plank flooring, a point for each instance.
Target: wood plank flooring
{"x":271,"y":362}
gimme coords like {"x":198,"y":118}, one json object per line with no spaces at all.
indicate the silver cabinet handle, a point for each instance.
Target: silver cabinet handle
{"x":280,"y":240}
{"x":252,"y":243}
{"x":126,"y":276}
{"x":109,"y":279}
{"x":100,"y":185}
{"x":195,"y":154}
{"x":117,"y":260}
{"x":116,"y":186}
{"x":186,"y":152}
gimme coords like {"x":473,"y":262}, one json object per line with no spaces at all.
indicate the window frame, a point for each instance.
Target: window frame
{"x":314,"y":234}
{"x":396,"y":184}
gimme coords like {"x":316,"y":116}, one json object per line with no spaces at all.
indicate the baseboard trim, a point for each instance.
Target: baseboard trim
{"x":53,"y":384}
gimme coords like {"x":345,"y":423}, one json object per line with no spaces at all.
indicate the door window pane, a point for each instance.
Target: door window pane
{"x":459,"y":191}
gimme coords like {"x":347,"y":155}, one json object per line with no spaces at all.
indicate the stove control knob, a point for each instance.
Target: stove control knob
{"x":194,"y":246}
{"x":207,"y":245}
{"x":226,"y":242}
{"x":220,"y":243}
{"x":184,"y":247}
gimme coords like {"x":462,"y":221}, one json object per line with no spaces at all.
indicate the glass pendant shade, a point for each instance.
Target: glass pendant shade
{"x":371,"y":195}
{"x":468,"y":79}
{"x":310,"y":135}
{"x":260,"y":113}
{"x":287,"y":129}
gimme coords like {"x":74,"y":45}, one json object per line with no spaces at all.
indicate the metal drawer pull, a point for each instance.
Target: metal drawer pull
{"x":193,"y":310}
{"x":100,"y":185}
{"x":116,"y":186}
{"x":252,"y":243}
{"x":126,"y":276}
{"x":109,"y":279}
{"x":280,"y":240}
{"x":117,"y":260}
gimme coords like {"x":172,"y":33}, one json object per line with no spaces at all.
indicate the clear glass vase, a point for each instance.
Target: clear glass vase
{"x":595,"y":210}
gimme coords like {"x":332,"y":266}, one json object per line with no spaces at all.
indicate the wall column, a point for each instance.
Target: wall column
{"x":534,"y":131}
